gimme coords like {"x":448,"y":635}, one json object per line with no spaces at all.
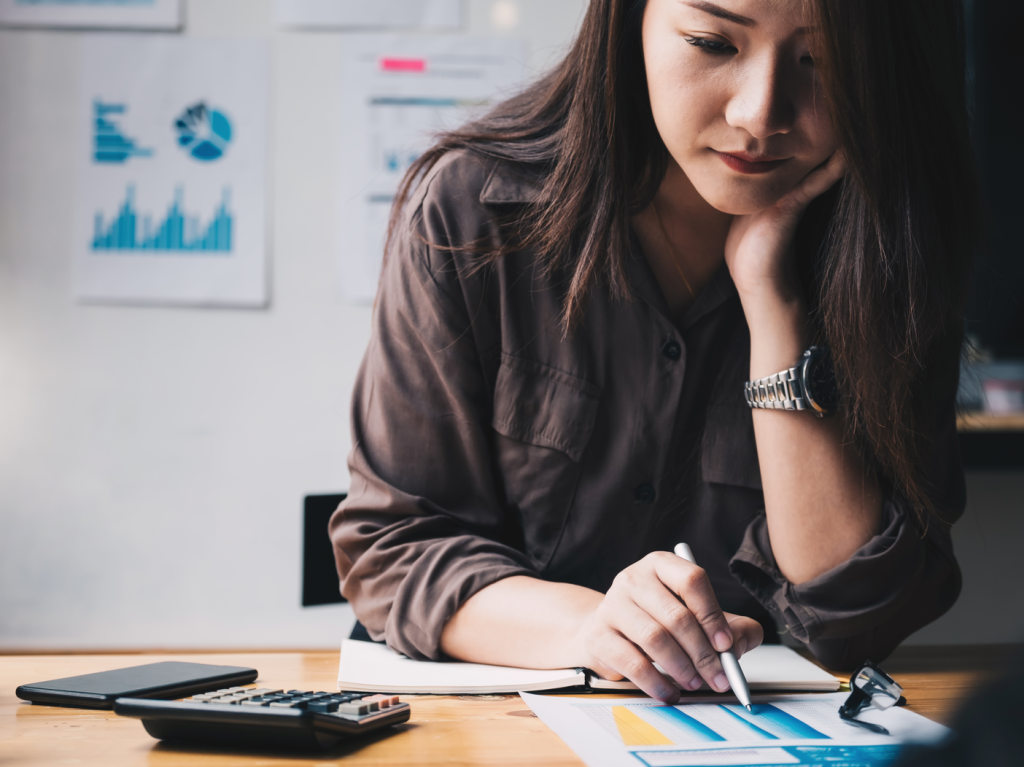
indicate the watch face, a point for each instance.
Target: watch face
{"x":820,"y":380}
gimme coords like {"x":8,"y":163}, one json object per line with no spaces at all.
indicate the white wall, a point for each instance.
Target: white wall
{"x":153,"y":460}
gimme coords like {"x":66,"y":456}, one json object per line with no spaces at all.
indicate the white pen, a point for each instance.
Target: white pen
{"x":730,"y":665}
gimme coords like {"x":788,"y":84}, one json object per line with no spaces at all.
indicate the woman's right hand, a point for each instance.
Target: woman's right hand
{"x":662,"y":609}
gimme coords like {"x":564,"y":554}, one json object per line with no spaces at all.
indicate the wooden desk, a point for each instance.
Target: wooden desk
{"x":443,"y":730}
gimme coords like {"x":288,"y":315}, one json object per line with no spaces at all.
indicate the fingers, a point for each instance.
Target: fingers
{"x":692,"y":585}
{"x":684,"y":650}
{"x":663,"y":610}
{"x":817,"y":182}
{"x":621,"y":656}
{"x":748,"y":632}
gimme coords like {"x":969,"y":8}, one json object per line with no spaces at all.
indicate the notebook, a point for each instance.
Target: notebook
{"x":372,"y":667}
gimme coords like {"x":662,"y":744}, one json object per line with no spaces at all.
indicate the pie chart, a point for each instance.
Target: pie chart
{"x":204,"y":132}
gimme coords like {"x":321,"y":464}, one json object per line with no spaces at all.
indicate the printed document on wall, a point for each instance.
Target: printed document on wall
{"x":105,"y":14}
{"x":382,"y":14}
{"x":399,"y":92}
{"x":171,"y":200}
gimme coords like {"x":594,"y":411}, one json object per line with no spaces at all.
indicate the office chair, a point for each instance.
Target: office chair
{"x":319,"y":574}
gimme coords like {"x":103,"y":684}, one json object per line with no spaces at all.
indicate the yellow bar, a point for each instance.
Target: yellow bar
{"x":635,"y":731}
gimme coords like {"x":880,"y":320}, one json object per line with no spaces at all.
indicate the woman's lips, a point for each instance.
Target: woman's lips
{"x":741,"y":162}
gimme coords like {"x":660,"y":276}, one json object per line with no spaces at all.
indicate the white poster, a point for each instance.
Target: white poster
{"x":397,"y":93}
{"x":382,"y":14}
{"x":104,"y":14}
{"x":172,"y":201}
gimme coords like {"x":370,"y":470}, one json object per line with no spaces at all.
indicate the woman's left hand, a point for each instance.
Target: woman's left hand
{"x":758,"y":244}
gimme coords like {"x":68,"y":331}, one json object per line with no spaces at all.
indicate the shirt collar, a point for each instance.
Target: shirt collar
{"x":520,"y":184}
{"x":717,"y":291}
{"x":511,"y":184}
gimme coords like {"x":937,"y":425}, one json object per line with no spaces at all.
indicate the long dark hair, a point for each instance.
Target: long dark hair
{"x":885,"y":256}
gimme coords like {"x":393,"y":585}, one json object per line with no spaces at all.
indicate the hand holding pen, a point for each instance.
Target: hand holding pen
{"x":730,"y":664}
{"x":663,"y":610}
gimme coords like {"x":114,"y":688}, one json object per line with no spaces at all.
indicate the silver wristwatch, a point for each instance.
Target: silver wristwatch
{"x":809,"y":385}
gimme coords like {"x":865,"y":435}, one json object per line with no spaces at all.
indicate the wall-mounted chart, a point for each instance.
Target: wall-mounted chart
{"x":399,"y":91}
{"x":96,"y":14}
{"x":176,"y":233}
{"x":171,"y":203}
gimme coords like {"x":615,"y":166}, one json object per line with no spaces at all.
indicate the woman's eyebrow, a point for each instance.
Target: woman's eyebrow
{"x":720,"y":12}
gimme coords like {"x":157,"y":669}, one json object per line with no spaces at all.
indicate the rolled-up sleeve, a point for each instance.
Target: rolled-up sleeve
{"x":422,"y":529}
{"x":903,"y":578}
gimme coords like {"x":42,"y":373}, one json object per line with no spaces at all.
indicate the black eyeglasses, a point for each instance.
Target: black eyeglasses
{"x":871,"y":687}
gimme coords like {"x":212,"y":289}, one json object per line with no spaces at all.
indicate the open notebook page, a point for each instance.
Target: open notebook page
{"x":371,"y":667}
{"x":768,"y":667}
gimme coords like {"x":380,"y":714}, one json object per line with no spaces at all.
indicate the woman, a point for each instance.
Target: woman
{"x":577,"y":288}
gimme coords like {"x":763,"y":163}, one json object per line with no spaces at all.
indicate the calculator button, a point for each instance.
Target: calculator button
{"x":229,"y":699}
{"x":253,"y":702}
{"x":323,"y":706}
{"x":355,"y":707}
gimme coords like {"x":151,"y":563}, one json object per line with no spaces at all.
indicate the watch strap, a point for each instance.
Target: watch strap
{"x":781,"y":391}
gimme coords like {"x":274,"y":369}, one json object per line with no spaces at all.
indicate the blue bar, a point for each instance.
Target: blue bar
{"x":781,"y":724}
{"x":694,"y":729}
{"x":177,"y":231}
{"x":754,"y":729}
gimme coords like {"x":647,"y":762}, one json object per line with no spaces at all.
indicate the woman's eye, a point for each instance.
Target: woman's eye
{"x":807,"y":60}
{"x":711,"y":46}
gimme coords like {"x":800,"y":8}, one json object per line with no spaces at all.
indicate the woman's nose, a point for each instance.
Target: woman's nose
{"x":761,"y":103}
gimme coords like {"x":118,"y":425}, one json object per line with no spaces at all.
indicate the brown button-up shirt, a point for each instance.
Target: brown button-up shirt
{"x":488,"y":444}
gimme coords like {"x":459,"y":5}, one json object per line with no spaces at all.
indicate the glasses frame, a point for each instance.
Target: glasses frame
{"x":860,"y":700}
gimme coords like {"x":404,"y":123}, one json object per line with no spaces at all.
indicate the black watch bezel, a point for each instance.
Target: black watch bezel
{"x":818,"y":378}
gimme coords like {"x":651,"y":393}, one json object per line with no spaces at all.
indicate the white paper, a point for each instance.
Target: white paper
{"x":426,"y":14}
{"x":705,"y":731}
{"x":171,"y":203}
{"x":766,"y":667}
{"x":106,"y":14}
{"x":397,"y":92}
{"x":373,"y":667}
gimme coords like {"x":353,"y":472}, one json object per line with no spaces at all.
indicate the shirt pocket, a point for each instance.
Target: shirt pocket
{"x":544,"y":407}
{"x":543,"y":419}
{"x":728,"y":449}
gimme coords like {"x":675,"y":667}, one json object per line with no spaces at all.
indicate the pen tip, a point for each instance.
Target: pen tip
{"x":750,"y":708}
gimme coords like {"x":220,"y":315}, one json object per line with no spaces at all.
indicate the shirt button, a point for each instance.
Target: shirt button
{"x":645,"y":493}
{"x":672,"y":350}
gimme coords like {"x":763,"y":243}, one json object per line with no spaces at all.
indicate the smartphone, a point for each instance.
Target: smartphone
{"x":166,"y":680}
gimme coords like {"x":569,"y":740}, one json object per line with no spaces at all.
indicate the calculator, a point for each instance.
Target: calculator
{"x":266,"y":717}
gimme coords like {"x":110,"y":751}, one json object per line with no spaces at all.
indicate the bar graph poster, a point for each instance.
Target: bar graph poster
{"x":379,"y":14}
{"x":171,"y":202}
{"x":104,"y":14}
{"x":398,"y":92}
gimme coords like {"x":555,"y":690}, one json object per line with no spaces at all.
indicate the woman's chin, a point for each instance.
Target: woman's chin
{"x":743,"y":202}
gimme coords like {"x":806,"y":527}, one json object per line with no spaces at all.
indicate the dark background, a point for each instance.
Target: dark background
{"x":995,"y":51}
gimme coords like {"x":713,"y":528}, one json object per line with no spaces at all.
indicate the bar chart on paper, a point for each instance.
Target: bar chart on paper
{"x":176,"y":234}
{"x":693,"y":724}
{"x":782,"y":730}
